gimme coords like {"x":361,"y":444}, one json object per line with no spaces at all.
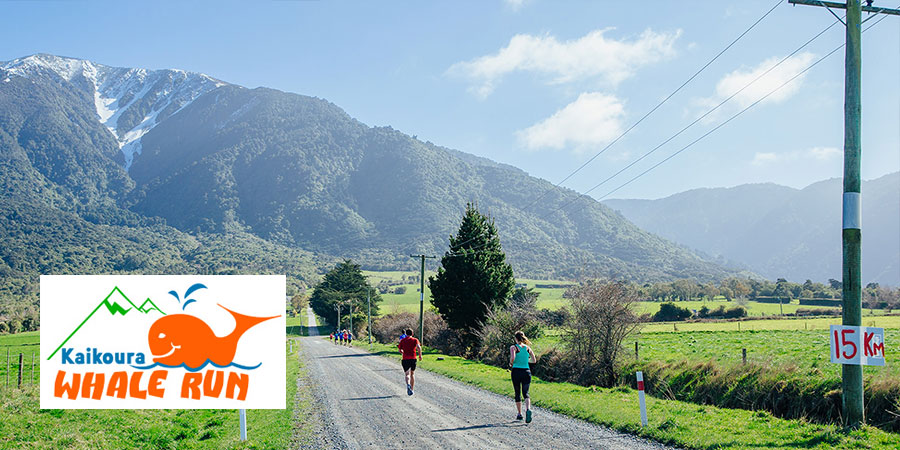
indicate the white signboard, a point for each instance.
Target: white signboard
{"x":857,"y":345}
{"x":162,"y":342}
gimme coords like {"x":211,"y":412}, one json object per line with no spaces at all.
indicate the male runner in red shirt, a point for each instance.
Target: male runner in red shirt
{"x":408,"y":347}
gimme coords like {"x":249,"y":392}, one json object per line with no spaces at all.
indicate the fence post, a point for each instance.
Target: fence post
{"x":744,"y":355}
{"x":640,"y":385}
{"x":636,"y":357}
{"x":21,"y":364}
{"x":7,"y":366}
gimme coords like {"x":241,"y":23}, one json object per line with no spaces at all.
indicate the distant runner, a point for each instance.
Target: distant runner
{"x":520,"y":354}
{"x":349,"y":339}
{"x":408,"y":347}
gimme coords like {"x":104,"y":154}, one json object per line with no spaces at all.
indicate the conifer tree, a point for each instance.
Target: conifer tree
{"x":474,"y":277}
{"x":345,"y":285}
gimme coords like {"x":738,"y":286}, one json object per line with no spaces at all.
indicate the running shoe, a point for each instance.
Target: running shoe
{"x":527,"y":416}
{"x":518,"y":417}
{"x":409,"y":390}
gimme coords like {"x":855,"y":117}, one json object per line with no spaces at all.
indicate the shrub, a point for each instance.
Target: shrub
{"x":553,"y":319}
{"x":668,"y":312}
{"x":496,"y":335}
{"x":388,"y":328}
{"x":602,"y":318}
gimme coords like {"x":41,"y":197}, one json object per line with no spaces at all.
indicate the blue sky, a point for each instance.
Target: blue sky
{"x":542,"y":85}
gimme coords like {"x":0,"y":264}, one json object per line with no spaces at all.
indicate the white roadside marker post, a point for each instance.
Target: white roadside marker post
{"x":640,"y":385}
{"x":243,"y":425}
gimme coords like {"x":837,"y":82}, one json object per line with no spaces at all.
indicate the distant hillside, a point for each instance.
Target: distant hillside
{"x":118,"y":170}
{"x":778,"y":231}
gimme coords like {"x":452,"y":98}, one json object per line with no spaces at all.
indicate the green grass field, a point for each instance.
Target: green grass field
{"x":552,"y":298}
{"x":28,"y":345}
{"x":806,"y":324}
{"x":682,"y":424}
{"x":24,"y":426}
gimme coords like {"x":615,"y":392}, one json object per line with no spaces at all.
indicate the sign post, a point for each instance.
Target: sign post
{"x":243,"y":425}
{"x":640,"y":385}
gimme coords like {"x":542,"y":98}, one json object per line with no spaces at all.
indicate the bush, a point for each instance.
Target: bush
{"x":553,"y":319}
{"x":496,"y":335}
{"x":722,"y":313}
{"x":805,"y":312}
{"x":388,"y":328}
{"x":400,"y":290}
{"x":553,"y":365}
{"x":668,"y":312}
{"x":601,"y":319}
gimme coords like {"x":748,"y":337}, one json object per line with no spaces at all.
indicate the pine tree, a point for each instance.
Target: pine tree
{"x":344,"y":285}
{"x":474,"y":277}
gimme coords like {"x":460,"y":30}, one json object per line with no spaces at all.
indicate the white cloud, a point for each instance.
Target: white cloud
{"x":824,"y":153}
{"x":514,"y":4}
{"x":591,"y":56}
{"x":815,"y":154}
{"x":738,"y":83}
{"x":763,"y":158}
{"x":593,"y":119}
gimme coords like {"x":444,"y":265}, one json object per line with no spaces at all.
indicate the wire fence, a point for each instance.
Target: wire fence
{"x":19,"y":365}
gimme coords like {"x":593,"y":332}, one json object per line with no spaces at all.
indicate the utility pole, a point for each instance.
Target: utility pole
{"x":422,"y":296}
{"x":369,"y":322}
{"x":338,"y":307}
{"x":852,"y":381}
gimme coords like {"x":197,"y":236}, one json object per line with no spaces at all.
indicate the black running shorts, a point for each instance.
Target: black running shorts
{"x":408,"y":364}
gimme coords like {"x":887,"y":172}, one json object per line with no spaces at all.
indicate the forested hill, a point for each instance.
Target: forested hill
{"x":110,"y":169}
{"x":780,"y":232}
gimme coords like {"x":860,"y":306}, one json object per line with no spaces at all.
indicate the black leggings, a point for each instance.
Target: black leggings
{"x":521,"y":379}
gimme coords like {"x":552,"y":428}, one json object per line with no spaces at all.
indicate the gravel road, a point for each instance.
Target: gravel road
{"x":365,"y":405}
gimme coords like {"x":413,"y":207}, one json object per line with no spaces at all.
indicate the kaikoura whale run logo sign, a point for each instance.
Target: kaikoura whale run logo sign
{"x":192,"y":342}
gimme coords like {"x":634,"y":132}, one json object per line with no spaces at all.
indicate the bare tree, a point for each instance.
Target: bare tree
{"x":601,"y":318}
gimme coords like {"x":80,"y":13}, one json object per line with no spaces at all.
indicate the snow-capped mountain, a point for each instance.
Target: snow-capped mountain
{"x":129,"y":102}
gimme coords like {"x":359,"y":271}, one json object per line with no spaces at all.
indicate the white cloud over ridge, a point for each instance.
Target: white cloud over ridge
{"x":591,"y":56}
{"x":815,"y":154}
{"x":740,"y":83}
{"x":591,"y":120}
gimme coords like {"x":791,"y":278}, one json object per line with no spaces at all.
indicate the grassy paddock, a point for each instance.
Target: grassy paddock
{"x":673,"y":422}
{"x":28,"y":344}
{"x":805,"y":324}
{"x":24,"y":426}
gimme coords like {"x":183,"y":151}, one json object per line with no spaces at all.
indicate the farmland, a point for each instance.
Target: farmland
{"x":24,"y":425}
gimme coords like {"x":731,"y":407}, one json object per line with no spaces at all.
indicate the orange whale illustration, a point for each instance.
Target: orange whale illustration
{"x":184,"y":339}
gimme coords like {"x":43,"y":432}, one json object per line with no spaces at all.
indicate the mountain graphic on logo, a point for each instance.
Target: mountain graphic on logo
{"x":116,"y":303}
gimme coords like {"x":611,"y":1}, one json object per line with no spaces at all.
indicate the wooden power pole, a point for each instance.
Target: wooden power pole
{"x":422,"y":296}
{"x":852,"y":381}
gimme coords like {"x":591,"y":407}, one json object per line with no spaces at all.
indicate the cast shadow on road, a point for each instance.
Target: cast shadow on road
{"x":373,"y":398}
{"x":349,"y":355}
{"x":487,"y":425}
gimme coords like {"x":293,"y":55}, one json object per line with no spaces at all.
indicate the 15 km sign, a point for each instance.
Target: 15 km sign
{"x":861,"y":346}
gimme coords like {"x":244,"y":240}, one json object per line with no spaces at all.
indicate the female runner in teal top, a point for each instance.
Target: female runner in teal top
{"x":520,"y":354}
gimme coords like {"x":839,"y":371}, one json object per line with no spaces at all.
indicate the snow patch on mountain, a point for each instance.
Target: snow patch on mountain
{"x":129,"y":102}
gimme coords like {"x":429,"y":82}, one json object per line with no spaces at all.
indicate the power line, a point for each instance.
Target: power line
{"x":535,"y":201}
{"x":734,"y":116}
{"x":584,"y":194}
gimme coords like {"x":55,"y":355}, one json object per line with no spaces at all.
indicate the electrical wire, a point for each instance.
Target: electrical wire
{"x":736,"y":115}
{"x":691,"y":78}
{"x":723,"y":102}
